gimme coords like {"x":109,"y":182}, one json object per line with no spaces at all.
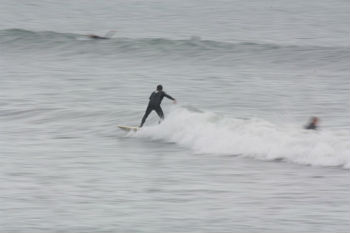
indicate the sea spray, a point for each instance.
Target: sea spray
{"x":206,"y":132}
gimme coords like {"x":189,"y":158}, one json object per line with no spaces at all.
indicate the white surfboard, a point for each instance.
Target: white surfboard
{"x":128,"y":128}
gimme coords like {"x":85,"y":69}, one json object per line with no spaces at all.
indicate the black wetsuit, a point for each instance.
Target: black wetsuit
{"x":311,"y":126}
{"x":154,"y":104}
{"x":97,"y":37}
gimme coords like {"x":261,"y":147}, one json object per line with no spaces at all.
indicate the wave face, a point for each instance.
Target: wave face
{"x":209,"y":133}
{"x":206,"y":132}
{"x":220,"y":53}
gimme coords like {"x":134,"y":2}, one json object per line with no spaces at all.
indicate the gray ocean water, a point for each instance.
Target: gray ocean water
{"x":230,"y":156}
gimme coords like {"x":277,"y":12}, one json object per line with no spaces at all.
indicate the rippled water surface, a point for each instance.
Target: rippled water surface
{"x":231,"y":156}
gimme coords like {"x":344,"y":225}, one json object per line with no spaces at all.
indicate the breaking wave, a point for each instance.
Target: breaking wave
{"x":209,"y":133}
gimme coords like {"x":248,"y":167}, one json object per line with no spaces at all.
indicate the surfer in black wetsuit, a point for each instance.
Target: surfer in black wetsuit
{"x":107,"y":36}
{"x":154,"y":103}
{"x":92,"y":36}
{"x":313,"y":123}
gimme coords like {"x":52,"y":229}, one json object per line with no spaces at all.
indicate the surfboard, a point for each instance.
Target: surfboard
{"x":128,"y":128}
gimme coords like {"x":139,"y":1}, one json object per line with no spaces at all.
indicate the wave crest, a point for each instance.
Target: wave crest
{"x":205,"y":132}
{"x":44,"y":38}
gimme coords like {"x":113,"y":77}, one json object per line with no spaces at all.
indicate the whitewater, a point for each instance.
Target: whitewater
{"x":231,"y":156}
{"x":205,"y":132}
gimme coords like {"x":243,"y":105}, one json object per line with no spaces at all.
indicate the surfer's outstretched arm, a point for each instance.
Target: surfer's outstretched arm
{"x":169,"y":97}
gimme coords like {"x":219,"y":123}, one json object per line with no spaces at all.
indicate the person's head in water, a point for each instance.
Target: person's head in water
{"x":159,"y":88}
{"x":314,"y":120}
{"x":313,"y":123}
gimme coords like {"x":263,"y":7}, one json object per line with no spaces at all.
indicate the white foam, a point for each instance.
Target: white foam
{"x":205,"y":132}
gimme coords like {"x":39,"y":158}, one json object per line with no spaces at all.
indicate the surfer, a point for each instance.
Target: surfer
{"x":107,"y":36}
{"x":93,"y":36}
{"x":313,"y":123}
{"x":154,"y":103}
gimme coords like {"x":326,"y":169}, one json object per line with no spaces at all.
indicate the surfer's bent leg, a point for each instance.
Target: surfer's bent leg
{"x":160,"y":113}
{"x":148,"y":111}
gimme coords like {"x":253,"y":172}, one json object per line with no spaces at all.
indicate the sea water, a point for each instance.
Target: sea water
{"x":230,"y":156}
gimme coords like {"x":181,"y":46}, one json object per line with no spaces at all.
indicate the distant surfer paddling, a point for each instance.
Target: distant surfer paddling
{"x":154,"y":103}
{"x":93,"y":36}
{"x":107,"y":36}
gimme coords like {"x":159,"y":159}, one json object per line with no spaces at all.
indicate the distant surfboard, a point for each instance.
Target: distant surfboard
{"x":128,"y":128}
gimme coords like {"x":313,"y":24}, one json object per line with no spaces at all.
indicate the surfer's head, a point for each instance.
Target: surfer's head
{"x":314,"y":120}
{"x":159,"y":88}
